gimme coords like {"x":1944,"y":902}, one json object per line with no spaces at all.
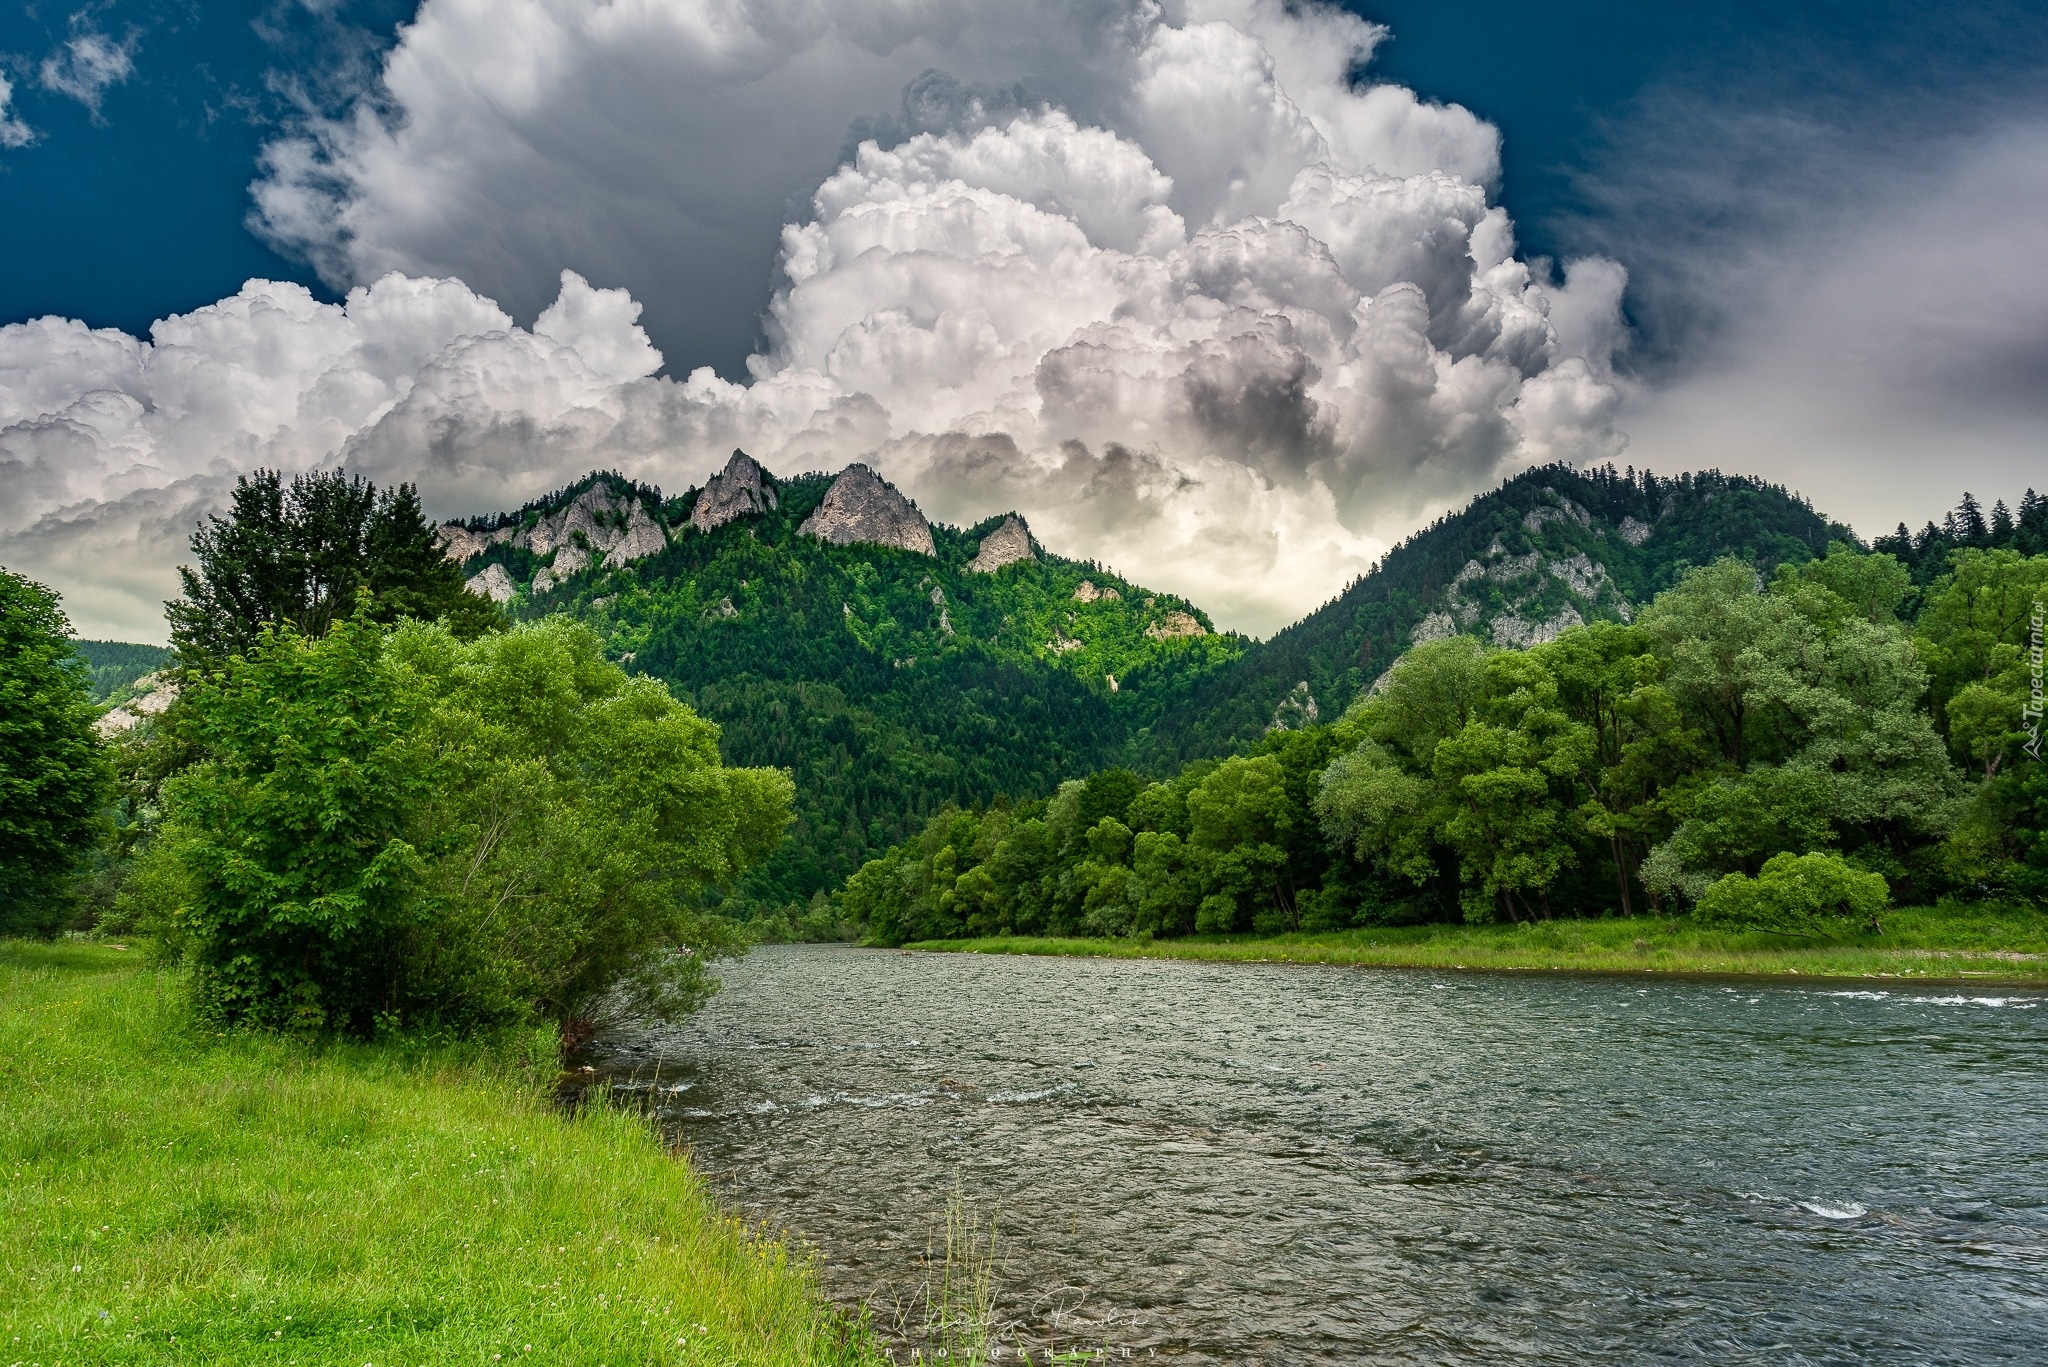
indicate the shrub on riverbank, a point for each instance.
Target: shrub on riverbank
{"x":179,"y":1196}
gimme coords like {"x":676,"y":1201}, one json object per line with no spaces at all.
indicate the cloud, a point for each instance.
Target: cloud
{"x":1174,"y":287}
{"x":1883,"y":347}
{"x":701,"y":127}
{"x":88,"y":63}
{"x":13,"y":132}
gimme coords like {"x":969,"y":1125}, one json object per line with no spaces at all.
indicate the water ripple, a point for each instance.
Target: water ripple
{"x":1274,"y":1164}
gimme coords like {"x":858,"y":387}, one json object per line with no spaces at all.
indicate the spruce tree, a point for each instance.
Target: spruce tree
{"x":297,"y":553}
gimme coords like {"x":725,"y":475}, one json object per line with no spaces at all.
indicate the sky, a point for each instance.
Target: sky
{"x":1228,"y":294}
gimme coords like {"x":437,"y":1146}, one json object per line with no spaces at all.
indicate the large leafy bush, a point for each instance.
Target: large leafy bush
{"x":406,"y":829}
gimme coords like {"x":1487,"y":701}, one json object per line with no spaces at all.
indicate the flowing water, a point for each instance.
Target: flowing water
{"x":1282,"y":1164}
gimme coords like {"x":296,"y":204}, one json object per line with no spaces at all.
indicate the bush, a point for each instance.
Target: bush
{"x":405,"y":830}
{"x":1798,"y":894}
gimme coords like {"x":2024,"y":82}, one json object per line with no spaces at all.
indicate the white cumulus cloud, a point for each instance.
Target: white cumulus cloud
{"x":13,"y":132}
{"x":88,"y":63}
{"x":1165,"y":279}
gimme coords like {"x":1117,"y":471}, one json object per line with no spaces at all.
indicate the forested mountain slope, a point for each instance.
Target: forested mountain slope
{"x":895,"y":666}
{"x":891,"y":664}
{"x":114,"y":666}
{"x":1549,"y":549}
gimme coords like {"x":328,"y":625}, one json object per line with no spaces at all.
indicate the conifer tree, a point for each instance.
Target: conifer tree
{"x":296,"y":553}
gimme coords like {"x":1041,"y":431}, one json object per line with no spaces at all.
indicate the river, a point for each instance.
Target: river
{"x":1283,"y":1164}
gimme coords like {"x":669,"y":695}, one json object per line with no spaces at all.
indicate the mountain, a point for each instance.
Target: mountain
{"x":892,"y":664}
{"x":114,"y":666}
{"x":895,"y":665}
{"x":1549,"y":549}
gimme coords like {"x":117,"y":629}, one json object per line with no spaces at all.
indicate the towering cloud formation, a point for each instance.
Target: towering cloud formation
{"x":1165,"y":281}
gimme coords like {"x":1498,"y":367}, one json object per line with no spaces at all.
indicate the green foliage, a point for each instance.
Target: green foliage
{"x":1640,"y":533}
{"x":1797,"y":894}
{"x":1766,"y":744}
{"x":891,"y":685}
{"x":1927,"y":553}
{"x":114,"y":666}
{"x":54,"y":773}
{"x":404,"y":830}
{"x":296,"y":554}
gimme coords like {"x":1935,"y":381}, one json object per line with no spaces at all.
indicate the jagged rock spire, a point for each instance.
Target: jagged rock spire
{"x":862,"y":507}
{"x":1006,"y":545}
{"x":734,"y":493}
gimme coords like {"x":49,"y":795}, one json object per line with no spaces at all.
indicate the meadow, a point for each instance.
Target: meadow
{"x":176,"y":1195}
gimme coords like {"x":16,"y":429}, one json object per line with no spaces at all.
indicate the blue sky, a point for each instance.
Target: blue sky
{"x":1163,"y":278}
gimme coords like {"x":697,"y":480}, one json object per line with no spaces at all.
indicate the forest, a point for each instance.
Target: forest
{"x":888,"y":683}
{"x":1787,"y":751}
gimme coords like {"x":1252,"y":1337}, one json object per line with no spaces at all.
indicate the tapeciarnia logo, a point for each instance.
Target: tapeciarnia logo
{"x":2030,"y":715}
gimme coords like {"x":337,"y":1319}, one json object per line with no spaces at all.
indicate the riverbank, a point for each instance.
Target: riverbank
{"x":174,"y":1197}
{"x":1955,"y":943}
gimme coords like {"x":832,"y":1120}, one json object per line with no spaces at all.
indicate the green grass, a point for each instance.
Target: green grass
{"x":1961,"y":943}
{"x":170,"y":1196}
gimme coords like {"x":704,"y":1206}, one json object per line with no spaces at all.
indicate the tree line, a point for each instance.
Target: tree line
{"x":1773,"y":751}
{"x":374,"y":805}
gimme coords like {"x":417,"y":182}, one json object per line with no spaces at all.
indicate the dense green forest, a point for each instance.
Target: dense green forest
{"x":890,"y":683}
{"x":113,"y":666}
{"x":900,"y":688}
{"x":1550,"y":547}
{"x":1773,"y":751}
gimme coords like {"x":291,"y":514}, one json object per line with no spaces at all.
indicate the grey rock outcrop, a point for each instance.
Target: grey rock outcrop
{"x":643,"y":538}
{"x":1088,"y":593}
{"x":861,"y":508}
{"x":494,"y":583}
{"x":1006,"y":545}
{"x":154,"y":693}
{"x":1296,"y":711}
{"x":1518,"y":633}
{"x":602,"y":518}
{"x":733,"y":493}
{"x":1175,"y":624}
{"x":1634,"y":532}
{"x":459,"y":543}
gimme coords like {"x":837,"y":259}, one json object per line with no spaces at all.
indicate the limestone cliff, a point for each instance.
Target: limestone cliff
{"x":1006,"y":545}
{"x":861,"y":508}
{"x":598,"y":526}
{"x":494,"y":583}
{"x":733,"y":493}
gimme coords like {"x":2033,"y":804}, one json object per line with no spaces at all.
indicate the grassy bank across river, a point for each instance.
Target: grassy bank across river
{"x":171,"y":1196}
{"x":1957,"y":943}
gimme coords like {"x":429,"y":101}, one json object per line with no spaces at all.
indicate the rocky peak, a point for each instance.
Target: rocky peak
{"x":154,"y":694}
{"x":1006,"y":545}
{"x":1175,"y":624}
{"x":461,"y":544}
{"x":863,"y":508}
{"x":494,"y":583}
{"x":733,"y":493}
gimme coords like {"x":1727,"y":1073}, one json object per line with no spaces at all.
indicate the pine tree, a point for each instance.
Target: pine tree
{"x":1967,"y":522}
{"x":2031,"y":535}
{"x":2001,"y":523}
{"x":299,"y":552}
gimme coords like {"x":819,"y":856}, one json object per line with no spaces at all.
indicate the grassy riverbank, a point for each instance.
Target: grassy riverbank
{"x":174,"y":1197}
{"x":1955,"y":942}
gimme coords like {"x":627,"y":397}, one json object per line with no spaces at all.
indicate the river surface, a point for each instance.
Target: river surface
{"x":1280,"y":1164}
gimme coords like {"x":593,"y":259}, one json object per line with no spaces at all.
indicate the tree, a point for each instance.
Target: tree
{"x":54,"y":774}
{"x":408,"y":829}
{"x":296,"y":554}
